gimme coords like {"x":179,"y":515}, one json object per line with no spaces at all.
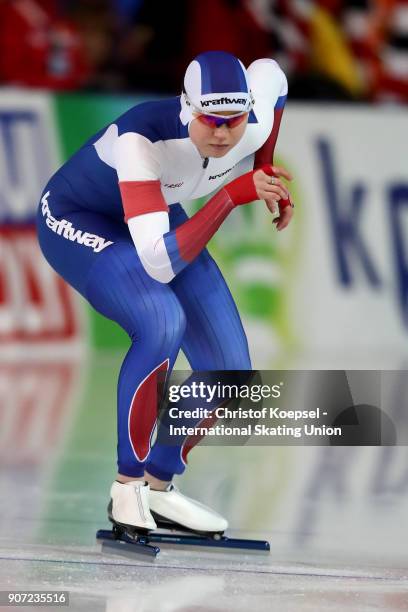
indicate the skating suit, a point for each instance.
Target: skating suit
{"x":84,"y":235}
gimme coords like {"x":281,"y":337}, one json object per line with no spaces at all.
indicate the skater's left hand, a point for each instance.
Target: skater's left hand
{"x":284,"y":218}
{"x":284,"y":206}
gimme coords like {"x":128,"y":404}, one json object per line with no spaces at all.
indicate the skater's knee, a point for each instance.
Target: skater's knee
{"x":142,"y":307}
{"x":163,"y":323}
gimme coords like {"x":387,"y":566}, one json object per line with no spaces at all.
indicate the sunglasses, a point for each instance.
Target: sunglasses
{"x":213,"y":121}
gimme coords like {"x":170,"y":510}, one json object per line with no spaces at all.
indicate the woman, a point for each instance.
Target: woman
{"x":151,"y":272}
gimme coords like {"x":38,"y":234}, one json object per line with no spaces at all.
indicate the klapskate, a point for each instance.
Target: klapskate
{"x":136,"y":511}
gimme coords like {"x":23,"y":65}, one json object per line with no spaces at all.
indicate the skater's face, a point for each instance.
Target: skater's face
{"x":213,"y":141}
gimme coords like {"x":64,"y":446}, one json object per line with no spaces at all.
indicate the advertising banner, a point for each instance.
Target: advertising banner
{"x":348,"y":293}
{"x":39,"y":313}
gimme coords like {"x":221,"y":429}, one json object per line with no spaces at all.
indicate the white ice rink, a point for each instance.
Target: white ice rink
{"x":59,"y":552}
{"x":180,"y":580}
{"x":336,"y":518}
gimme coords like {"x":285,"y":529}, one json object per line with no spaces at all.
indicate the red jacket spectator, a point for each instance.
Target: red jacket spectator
{"x":37,"y":48}
{"x":226,"y":25}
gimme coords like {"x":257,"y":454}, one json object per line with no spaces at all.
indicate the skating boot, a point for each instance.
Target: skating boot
{"x":173,"y":510}
{"x":128,"y":508}
{"x":135,"y":511}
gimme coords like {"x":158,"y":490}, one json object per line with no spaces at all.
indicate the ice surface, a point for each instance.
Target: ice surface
{"x":180,"y":580}
{"x":336,"y":517}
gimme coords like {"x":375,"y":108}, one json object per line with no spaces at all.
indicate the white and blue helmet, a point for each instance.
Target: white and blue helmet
{"x":215,"y":81}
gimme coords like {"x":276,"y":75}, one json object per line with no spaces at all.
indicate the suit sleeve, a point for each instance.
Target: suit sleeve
{"x":139,"y":172}
{"x":271,"y":86}
{"x":163,"y":252}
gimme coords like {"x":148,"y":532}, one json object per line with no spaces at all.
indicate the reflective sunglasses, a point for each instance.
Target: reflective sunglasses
{"x":216,"y":121}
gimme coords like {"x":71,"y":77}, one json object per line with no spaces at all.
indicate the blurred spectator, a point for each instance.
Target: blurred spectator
{"x":126,"y":10}
{"x":229,"y":25}
{"x":152,"y":49}
{"x":38,"y":48}
{"x":288,"y":27}
{"x":378,"y":34}
{"x":308,"y":42}
{"x":98,"y":24}
{"x":393,"y":77}
{"x":155,"y":51}
{"x":330,"y":49}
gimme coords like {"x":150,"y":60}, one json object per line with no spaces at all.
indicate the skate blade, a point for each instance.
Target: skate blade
{"x":177,"y":534}
{"x":221,"y":543}
{"x":126,"y":546}
{"x":122,"y":543}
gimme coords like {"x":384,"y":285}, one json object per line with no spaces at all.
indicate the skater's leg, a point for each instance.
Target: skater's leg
{"x":152,"y":316}
{"x":108,"y":273}
{"x":214,"y":340}
{"x":106,"y":270}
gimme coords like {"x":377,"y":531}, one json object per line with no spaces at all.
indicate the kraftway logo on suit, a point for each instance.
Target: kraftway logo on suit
{"x":64,"y":228}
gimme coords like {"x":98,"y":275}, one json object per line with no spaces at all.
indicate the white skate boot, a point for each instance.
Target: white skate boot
{"x":134,"y":523}
{"x":129,"y":506}
{"x":172,"y":507}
